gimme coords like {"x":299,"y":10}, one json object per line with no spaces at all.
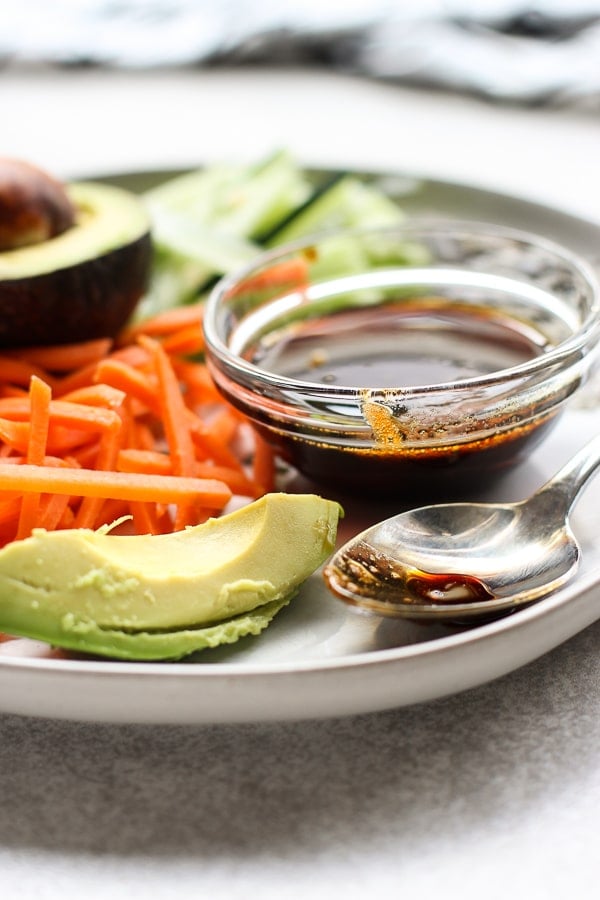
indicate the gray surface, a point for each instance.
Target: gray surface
{"x":446,"y":795}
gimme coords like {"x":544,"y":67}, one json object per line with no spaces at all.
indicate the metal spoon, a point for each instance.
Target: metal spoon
{"x":461,"y":560}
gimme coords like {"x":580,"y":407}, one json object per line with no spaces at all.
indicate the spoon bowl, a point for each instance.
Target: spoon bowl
{"x":462,"y":560}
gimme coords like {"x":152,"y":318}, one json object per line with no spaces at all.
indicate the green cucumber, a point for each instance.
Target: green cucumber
{"x":346,"y":203}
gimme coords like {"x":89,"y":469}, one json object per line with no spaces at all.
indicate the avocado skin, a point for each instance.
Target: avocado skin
{"x":86,"y":637}
{"x":92,"y":299}
{"x":81,"y":284}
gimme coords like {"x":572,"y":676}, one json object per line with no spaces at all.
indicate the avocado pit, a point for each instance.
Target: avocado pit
{"x":34,"y":206}
{"x":75,"y":259}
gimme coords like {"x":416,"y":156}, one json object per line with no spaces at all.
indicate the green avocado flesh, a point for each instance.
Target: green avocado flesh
{"x":83,"y":283}
{"x":164,"y":596}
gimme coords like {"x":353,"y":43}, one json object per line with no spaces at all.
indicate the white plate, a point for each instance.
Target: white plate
{"x":319,"y":658}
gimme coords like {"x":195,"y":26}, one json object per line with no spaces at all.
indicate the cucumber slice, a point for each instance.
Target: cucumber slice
{"x":346,"y":203}
{"x":246,"y":201}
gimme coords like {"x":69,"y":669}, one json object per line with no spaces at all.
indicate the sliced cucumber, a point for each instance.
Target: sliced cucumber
{"x":346,"y":203}
{"x":246,"y":201}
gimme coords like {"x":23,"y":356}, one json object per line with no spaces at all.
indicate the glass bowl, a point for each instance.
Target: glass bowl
{"x":420,"y":360}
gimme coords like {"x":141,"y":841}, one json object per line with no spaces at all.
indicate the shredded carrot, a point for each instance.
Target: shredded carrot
{"x":175,"y":419}
{"x":18,"y":372}
{"x":187,"y":341}
{"x":289,"y":273}
{"x":39,"y":394}
{"x":134,"y":428}
{"x":119,"y":485}
{"x":87,"y":514}
{"x":264,"y":465}
{"x":165,"y":323}
{"x":65,"y":357}
{"x":198,"y":385}
{"x":120,"y":375}
{"x":155,"y":463}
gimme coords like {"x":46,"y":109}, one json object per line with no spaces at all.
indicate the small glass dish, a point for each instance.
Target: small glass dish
{"x":421,"y":360}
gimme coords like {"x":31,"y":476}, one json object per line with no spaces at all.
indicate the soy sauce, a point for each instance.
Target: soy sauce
{"x":375,"y":580}
{"x":425,"y":342}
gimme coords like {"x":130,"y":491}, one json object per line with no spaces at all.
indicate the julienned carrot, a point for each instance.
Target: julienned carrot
{"x":53,"y":509}
{"x":62,"y":412}
{"x":65,"y":357}
{"x":18,"y":372}
{"x":39,"y":395}
{"x":155,"y":463}
{"x":289,"y":273}
{"x":135,"y":430}
{"x":118,"y":485}
{"x":105,"y":462}
{"x":120,"y":375}
{"x":199,"y":386}
{"x":96,"y":395}
{"x":164,"y":323}
{"x":187,"y":341}
{"x":264,"y":465}
{"x":175,"y":419}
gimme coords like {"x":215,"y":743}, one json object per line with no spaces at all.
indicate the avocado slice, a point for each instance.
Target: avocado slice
{"x":164,"y":596}
{"x":84,"y":282}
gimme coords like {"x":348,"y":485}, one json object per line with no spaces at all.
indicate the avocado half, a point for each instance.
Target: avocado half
{"x":83,"y":283}
{"x":165,"y":596}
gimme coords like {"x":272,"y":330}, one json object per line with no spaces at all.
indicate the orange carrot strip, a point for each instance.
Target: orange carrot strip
{"x":15,"y":434}
{"x":97,"y":395}
{"x":145,"y":518}
{"x":39,"y":394}
{"x":199,"y":386}
{"x":288,"y":273}
{"x":65,"y":357}
{"x":85,"y":456}
{"x":110,"y":444}
{"x":224,"y":426}
{"x":186,"y":341}
{"x":156,"y":463}
{"x":85,"y":418}
{"x":134,"y":355}
{"x":211,"y":446}
{"x":142,"y":436}
{"x":165,"y":323}
{"x":151,"y":461}
{"x":62,"y":412}
{"x":119,"y":375}
{"x":263,"y":465}
{"x":11,"y":390}
{"x":174,"y":415}
{"x":113,"y":510}
{"x":47,"y":461}
{"x":67,"y":519}
{"x":117,"y":485}
{"x":173,"y":411}
{"x":18,"y":371}
{"x":52,"y":510}
{"x":80,"y":378}
{"x":10,"y":508}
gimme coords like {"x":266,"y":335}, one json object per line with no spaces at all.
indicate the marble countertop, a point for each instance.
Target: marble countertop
{"x":492,"y":792}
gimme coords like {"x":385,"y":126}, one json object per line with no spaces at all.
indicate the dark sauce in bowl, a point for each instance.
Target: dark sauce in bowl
{"x":425,"y":343}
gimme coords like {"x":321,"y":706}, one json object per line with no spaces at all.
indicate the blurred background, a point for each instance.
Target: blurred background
{"x":544,"y":52}
{"x":495,"y":93}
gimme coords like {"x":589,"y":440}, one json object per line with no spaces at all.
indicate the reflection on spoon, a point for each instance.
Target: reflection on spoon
{"x":461,"y":560}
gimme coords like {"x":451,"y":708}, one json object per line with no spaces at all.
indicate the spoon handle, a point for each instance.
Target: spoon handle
{"x":565,"y":486}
